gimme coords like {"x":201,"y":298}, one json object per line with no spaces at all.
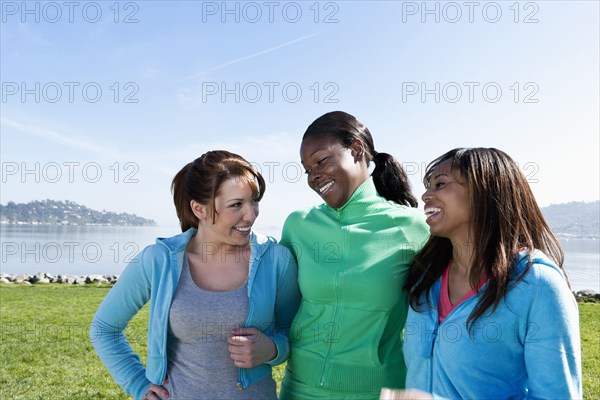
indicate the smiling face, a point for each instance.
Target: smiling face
{"x":237,"y":209}
{"x":334,"y":172}
{"x":447,"y":205}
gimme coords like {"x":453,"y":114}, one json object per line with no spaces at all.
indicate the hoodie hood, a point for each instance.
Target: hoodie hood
{"x":535,"y":257}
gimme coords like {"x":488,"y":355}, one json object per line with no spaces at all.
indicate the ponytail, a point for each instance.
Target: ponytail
{"x":391,"y":180}
{"x":389,"y":177}
{"x":186,"y":217}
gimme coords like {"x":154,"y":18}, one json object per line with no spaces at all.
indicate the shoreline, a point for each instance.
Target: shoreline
{"x":558,"y":235}
{"x":34,"y":223}
{"x":44,"y":278}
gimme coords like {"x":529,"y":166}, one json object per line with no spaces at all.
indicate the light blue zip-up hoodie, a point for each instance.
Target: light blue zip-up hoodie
{"x":528,"y":348}
{"x":153,"y":276}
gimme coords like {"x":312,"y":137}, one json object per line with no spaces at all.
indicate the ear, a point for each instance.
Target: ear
{"x":199,"y":210}
{"x":357,"y":150}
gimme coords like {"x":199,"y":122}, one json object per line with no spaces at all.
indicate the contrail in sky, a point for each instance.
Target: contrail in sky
{"x":237,"y":60}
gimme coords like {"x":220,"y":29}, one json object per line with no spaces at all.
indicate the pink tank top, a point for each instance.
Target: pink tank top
{"x":445,"y":306}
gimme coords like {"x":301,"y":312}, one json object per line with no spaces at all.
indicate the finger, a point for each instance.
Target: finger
{"x":153,"y":396}
{"x":161,"y":391}
{"x":238,"y":359}
{"x":233,"y":349}
{"x":241,"y":363}
{"x":241,"y":351}
{"x":245,"y":331}
{"x":156,"y":392}
{"x":239,"y":340}
{"x":150,"y":395}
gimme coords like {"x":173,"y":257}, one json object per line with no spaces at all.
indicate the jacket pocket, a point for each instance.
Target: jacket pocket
{"x":358,"y":336}
{"x":353,"y":335}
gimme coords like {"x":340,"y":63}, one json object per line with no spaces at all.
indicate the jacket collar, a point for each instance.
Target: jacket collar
{"x":364,"y":200}
{"x":259,"y":244}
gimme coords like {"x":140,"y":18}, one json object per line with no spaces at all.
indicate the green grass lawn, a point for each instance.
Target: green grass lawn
{"x":45,"y":352}
{"x":589,"y":314}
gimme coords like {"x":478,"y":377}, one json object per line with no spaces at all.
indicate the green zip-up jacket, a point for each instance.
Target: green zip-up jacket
{"x":352,"y":264}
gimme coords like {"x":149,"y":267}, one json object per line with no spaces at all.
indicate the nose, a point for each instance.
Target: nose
{"x":251,"y":211}
{"x":426,"y":197}
{"x":314,"y":175}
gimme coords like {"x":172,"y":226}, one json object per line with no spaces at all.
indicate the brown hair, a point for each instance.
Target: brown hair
{"x":504,"y":219}
{"x":201,"y":180}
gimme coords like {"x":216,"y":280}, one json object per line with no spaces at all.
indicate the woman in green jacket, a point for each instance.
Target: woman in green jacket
{"x":353,"y":256}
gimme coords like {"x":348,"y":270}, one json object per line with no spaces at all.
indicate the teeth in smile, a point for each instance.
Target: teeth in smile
{"x":242,"y":228}
{"x":325,"y":187}
{"x":432,"y":210}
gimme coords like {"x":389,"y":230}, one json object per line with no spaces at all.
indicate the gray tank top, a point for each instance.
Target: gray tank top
{"x":199,"y":365}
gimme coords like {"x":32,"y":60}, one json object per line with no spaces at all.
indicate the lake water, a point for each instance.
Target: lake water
{"x":81,"y":250}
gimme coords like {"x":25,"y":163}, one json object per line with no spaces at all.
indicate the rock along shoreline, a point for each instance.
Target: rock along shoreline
{"x":41,"y":278}
{"x":45,"y":278}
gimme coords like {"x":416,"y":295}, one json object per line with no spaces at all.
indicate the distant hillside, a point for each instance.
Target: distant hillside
{"x":51,"y":212}
{"x":576,"y":219}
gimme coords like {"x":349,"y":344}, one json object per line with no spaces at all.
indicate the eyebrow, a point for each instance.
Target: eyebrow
{"x":313,"y":153}
{"x":438,"y":175}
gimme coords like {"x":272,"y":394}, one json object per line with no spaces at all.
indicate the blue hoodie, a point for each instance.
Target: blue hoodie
{"x":153,"y":276}
{"x":528,"y":348}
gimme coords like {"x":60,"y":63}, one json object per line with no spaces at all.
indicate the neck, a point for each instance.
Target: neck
{"x":212,"y":249}
{"x":359,"y":182}
{"x":462,"y":255}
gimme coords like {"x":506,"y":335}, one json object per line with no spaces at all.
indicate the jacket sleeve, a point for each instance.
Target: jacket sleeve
{"x":552,"y":341}
{"x":287,"y":301}
{"x":120,"y":305}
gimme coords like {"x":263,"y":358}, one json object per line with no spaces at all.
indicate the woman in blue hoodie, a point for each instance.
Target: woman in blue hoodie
{"x":222,"y":298}
{"x":492,"y":314}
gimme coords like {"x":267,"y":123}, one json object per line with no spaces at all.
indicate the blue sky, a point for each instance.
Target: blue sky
{"x":103,"y":102}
